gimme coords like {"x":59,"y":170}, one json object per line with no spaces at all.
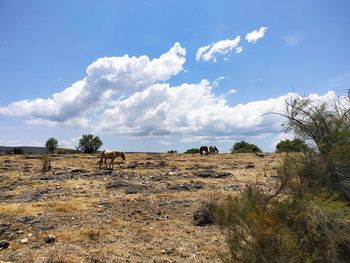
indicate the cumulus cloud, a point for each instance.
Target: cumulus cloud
{"x":222,"y":47}
{"x":238,"y":50}
{"x":106,"y":78}
{"x":129,"y":96}
{"x":193,"y":109}
{"x":255,"y":35}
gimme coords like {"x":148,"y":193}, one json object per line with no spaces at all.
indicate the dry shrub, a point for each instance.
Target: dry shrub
{"x":46,"y":163}
{"x":67,"y":206}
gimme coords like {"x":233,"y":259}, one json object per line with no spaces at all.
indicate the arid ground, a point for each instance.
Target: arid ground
{"x":142,"y":211}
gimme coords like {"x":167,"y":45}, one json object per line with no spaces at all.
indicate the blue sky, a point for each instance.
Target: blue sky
{"x":47,"y":46}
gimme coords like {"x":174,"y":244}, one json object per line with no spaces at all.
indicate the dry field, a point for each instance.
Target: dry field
{"x":142,"y":211}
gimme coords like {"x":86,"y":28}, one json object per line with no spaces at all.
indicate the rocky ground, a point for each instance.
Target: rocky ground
{"x":142,"y":211}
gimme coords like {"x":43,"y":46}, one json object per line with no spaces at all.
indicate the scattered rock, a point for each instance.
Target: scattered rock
{"x":249,"y":165}
{"x":168,"y":251}
{"x":202,"y":216}
{"x":261,"y":155}
{"x":132,"y":165}
{"x":192,"y":186}
{"x":134,"y":189}
{"x":234,"y":187}
{"x":4,"y":244}
{"x":79,"y":171}
{"x":24,"y":241}
{"x":116,"y":183}
{"x":160,"y":164}
{"x":50,"y":239}
{"x":211,"y":174}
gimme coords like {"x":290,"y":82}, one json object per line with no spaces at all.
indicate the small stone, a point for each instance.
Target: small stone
{"x":168,"y":251}
{"x":202,"y":216}
{"x":4,"y":244}
{"x":50,"y":239}
{"x":249,"y":165}
{"x":132,"y":165}
{"x":24,"y":241}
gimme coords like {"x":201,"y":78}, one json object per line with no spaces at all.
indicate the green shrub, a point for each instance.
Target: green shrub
{"x":244,"y":147}
{"x":89,"y":143}
{"x":295,"y":145}
{"x":18,"y":150}
{"x":192,"y":150}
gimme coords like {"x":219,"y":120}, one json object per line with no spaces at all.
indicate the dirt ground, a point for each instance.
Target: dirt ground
{"x":142,"y":211}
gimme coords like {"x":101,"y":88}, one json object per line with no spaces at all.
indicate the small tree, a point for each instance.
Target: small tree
{"x":192,"y":150}
{"x":295,"y":145}
{"x":89,"y":143}
{"x":18,"y":150}
{"x":51,"y":145}
{"x":244,"y":147}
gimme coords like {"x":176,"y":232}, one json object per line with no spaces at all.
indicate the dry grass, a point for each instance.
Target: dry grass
{"x":20,"y":209}
{"x":66,"y":206}
{"x":79,"y":210}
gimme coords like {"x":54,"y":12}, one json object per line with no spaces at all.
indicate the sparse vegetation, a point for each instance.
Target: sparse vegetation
{"x":46,"y":163}
{"x":245,"y":147}
{"x":307,"y":217}
{"x":296,"y":145}
{"x":89,"y":143}
{"x":51,"y":145}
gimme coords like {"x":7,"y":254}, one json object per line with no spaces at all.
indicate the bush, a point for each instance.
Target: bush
{"x":89,"y":143}
{"x":295,"y":145}
{"x":261,"y":229}
{"x":18,"y":150}
{"x":244,"y":147}
{"x":46,"y":163}
{"x":307,"y":217}
{"x":192,"y":150}
{"x":51,"y":144}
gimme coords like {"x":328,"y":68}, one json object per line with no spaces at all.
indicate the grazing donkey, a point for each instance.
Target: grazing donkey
{"x":204,"y":150}
{"x":108,"y":154}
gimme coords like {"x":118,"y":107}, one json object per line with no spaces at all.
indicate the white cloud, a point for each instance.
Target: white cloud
{"x":291,"y":40}
{"x":129,"y":96}
{"x":231,"y":91}
{"x":193,"y":109}
{"x":238,"y":50}
{"x":256,"y":35}
{"x":106,"y":78}
{"x":223,"y":47}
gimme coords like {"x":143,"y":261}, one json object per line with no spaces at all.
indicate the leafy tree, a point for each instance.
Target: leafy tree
{"x":244,"y":147}
{"x":295,"y":145}
{"x":89,"y":143}
{"x":192,"y":150}
{"x":51,"y":144}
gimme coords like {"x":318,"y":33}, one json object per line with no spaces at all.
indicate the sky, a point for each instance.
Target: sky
{"x":165,"y":75}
